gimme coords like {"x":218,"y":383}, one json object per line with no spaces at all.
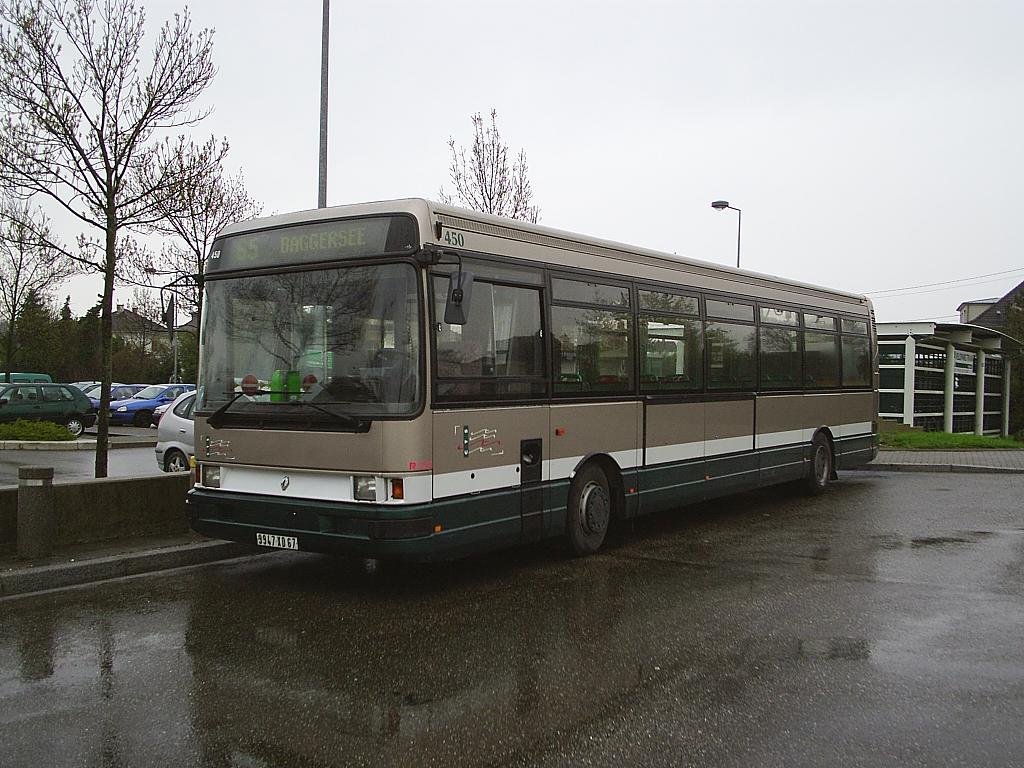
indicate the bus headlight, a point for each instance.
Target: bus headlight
{"x":365,"y":488}
{"x":211,"y":475}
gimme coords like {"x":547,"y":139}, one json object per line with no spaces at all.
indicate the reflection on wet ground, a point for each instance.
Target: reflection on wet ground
{"x":876,"y":625}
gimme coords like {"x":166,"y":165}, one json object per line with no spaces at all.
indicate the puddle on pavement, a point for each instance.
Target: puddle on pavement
{"x":938,"y":541}
{"x":892,"y":541}
{"x":835,"y":649}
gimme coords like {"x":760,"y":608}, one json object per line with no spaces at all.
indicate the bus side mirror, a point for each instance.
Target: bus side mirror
{"x":460,"y":289}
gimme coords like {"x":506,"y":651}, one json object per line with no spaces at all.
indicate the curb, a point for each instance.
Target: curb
{"x":71,"y":445}
{"x":23,"y":580}
{"x":967,"y":469}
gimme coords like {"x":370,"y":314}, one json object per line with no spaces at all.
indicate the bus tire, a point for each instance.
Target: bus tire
{"x":589,"y":512}
{"x":822,"y":463}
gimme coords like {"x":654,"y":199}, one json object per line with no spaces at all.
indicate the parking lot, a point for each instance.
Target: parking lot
{"x":878,"y":624}
{"x":134,"y":461}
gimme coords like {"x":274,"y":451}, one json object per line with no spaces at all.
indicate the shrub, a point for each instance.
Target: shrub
{"x":23,"y":429}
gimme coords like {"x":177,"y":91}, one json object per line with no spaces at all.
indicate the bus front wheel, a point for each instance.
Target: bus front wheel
{"x":590,"y":508}
{"x":821,"y":464}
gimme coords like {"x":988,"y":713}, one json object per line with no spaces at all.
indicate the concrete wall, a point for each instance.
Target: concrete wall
{"x":112,"y":508}
{"x":8,"y":514}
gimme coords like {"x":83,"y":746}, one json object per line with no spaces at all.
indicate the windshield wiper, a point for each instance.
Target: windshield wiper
{"x":216,"y":419}
{"x":359,"y":425}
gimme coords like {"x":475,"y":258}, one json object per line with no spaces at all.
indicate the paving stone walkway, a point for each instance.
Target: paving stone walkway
{"x":950,"y":461}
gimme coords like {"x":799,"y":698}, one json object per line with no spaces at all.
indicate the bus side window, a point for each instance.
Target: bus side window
{"x":501,"y":339}
{"x":592,"y":350}
{"x":731,"y":359}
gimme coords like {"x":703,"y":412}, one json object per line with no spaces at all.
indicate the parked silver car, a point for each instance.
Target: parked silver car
{"x":175,"y":435}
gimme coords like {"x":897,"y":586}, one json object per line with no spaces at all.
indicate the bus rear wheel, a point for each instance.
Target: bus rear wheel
{"x":821,"y":465}
{"x":590,"y":509}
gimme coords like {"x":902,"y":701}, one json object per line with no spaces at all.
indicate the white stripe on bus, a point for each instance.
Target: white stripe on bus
{"x":421,"y":487}
{"x":474,"y":480}
{"x":493,"y":478}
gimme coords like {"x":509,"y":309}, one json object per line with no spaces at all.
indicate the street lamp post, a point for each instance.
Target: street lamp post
{"x":721,"y":205}
{"x":325,"y":40}
{"x":167,"y":312}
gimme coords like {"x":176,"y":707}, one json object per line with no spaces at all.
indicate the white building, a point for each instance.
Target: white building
{"x":950,"y":377}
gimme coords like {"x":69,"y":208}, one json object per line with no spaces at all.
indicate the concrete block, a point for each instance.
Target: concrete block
{"x":118,"y":508}
{"x":108,"y":509}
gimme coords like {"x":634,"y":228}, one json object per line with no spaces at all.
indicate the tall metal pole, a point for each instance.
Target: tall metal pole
{"x":324,"y":45}
{"x":739,"y":229}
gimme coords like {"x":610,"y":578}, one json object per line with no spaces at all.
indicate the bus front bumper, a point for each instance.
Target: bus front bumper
{"x":417,"y":532}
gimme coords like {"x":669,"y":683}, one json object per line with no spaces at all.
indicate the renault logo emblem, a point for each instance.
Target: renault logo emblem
{"x":285,"y":482}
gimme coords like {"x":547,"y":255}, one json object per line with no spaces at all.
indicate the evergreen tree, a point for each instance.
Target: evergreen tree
{"x":37,"y":324}
{"x":87,"y":353}
{"x":188,"y":357}
{"x":66,"y":337}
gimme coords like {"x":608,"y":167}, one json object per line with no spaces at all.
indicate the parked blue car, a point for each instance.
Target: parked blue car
{"x":138,"y":409}
{"x":117,"y":392}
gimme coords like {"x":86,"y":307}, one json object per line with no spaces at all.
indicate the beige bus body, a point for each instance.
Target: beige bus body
{"x":452,"y":452}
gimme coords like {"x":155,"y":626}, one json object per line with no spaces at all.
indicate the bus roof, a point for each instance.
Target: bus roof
{"x":610,"y":254}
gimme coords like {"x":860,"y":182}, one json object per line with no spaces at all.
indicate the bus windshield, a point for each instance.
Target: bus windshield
{"x":344,"y":342}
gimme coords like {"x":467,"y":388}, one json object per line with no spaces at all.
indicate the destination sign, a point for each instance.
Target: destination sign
{"x":306,"y":243}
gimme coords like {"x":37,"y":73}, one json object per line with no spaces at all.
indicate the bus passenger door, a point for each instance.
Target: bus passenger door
{"x":531,"y":463}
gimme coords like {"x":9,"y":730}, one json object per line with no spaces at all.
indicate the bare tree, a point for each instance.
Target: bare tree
{"x":483,"y":179}
{"x":86,"y":125}
{"x":27,"y":267}
{"x":195,"y":214}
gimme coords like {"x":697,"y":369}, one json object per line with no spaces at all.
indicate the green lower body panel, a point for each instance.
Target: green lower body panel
{"x":783,"y":464}
{"x":854,"y":451}
{"x":668,"y":486}
{"x":468,"y":524}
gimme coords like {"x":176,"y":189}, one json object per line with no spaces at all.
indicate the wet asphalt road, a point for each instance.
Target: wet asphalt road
{"x":877,"y":625}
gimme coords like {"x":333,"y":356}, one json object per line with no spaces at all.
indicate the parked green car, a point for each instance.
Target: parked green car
{"x":60,"y":403}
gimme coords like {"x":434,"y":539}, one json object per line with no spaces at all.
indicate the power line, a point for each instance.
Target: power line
{"x":908,"y":292}
{"x":945,"y":282}
{"x":922,"y":319}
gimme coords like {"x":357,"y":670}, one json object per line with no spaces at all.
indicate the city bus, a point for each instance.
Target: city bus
{"x":412,"y":380}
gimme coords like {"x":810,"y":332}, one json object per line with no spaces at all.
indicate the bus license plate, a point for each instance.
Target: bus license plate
{"x":273,"y":540}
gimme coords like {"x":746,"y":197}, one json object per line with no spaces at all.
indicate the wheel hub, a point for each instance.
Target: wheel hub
{"x":821,"y":463}
{"x":594,"y":509}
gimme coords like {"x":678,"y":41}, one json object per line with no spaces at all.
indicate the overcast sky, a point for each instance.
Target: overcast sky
{"x":870,"y":145}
